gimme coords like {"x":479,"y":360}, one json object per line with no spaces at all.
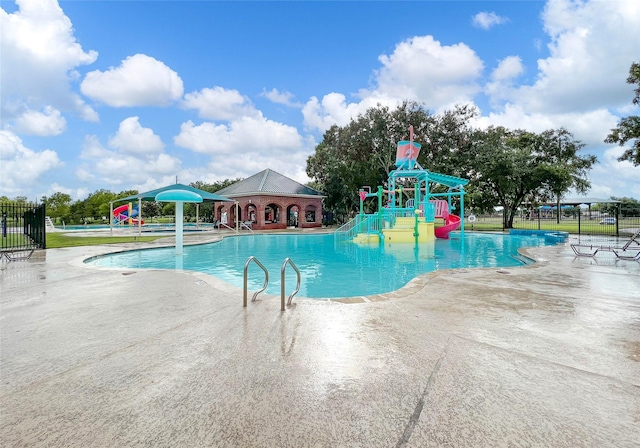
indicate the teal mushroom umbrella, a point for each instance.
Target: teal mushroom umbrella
{"x":179,"y":197}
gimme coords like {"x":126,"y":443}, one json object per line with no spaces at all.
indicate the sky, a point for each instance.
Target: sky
{"x":123,"y":95}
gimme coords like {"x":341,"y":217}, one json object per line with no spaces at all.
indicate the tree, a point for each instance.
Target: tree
{"x":150,"y":209}
{"x":58,"y":205}
{"x":627,"y":207}
{"x":628,"y":128}
{"x":446,"y":141}
{"x":206,"y":208}
{"x":509,"y":167}
{"x":96,"y":205}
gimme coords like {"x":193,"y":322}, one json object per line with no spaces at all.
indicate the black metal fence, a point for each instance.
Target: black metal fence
{"x":23,"y":229}
{"x":573,"y":220}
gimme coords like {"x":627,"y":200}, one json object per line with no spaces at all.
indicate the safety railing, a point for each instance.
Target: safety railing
{"x":266,"y":279}
{"x":287,"y":261}
{"x":360,"y":224}
{"x":221,"y":225}
{"x":282,"y":282}
{"x":247,"y":225}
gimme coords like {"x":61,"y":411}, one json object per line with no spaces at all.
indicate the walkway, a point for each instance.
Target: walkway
{"x":543,"y":355}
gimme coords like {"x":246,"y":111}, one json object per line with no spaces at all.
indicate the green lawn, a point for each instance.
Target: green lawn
{"x":58,"y":240}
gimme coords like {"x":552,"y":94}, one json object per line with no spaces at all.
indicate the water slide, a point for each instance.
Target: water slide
{"x":451,"y":223}
{"x":121,"y":214}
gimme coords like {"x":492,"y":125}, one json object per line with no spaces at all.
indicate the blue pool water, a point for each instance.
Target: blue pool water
{"x":328,"y":269}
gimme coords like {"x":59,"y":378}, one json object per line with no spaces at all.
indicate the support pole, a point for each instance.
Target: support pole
{"x":179,"y":227}
{"x":462,"y":211}
{"x":139,"y":217}
{"x":380,"y":193}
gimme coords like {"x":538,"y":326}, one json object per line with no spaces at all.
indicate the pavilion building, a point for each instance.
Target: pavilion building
{"x":268,"y":201}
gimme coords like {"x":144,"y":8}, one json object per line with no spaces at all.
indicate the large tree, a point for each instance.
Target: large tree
{"x":508,"y":168}
{"x":628,"y":128}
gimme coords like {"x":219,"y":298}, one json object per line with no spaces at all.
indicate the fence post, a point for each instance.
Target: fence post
{"x":579,"y":221}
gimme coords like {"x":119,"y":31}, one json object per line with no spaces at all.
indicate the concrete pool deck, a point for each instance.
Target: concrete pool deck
{"x":540,"y":355}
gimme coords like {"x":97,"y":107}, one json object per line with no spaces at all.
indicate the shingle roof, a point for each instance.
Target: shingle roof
{"x":268,"y":182}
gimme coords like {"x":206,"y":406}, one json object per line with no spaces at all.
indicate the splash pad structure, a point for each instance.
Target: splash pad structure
{"x":408,"y":215}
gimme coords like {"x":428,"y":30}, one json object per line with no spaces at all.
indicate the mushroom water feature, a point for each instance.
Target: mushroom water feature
{"x":179,"y":197}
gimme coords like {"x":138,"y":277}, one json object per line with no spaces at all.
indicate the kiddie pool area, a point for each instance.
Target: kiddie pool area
{"x":330,"y":269}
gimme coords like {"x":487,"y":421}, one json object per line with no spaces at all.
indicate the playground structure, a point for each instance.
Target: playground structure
{"x":408,"y":215}
{"x":126,"y":214}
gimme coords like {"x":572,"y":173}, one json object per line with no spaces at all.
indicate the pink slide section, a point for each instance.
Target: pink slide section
{"x":121,"y":214}
{"x":451,"y":223}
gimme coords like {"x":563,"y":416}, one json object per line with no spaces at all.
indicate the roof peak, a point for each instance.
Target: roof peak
{"x":269,"y":181}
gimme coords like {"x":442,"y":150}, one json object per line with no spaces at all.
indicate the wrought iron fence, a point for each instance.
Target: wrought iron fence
{"x":574,"y":220}
{"x":23,"y":229}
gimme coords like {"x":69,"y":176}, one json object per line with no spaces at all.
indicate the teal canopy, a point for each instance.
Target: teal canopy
{"x":178,"y":196}
{"x":176,"y":190}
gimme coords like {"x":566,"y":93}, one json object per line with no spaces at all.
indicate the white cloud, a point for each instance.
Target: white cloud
{"x":592,"y":44}
{"x":140,"y":80}
{"x":101,"y":166}
{"x":508,"y":68}
{"x":420,"y":69}
{"x":21,"y":166}
{"x":132,"y":138}
{"x":275,"y":96}
{"x":589,"y":127}
{"x":610,"y":176}
{"x":244,"y":147}
{"x":219,"y":104}
{"x":333,"y":109}
{"x":503,"y":78}
{"x":486,"y":20}
{"x":39,"y":57}
{"x":46,"y":123}
{"x":247,"y":135}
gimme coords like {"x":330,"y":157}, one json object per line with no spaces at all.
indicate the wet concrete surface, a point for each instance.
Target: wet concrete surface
{"x":541,"y":355}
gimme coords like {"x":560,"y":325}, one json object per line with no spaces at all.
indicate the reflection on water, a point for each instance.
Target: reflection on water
{"x":328,"y":269}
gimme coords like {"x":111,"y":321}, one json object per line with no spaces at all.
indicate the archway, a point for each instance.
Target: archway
{"x":271,"y":213}
{"x":293,"y":216}
{"x":310,"y":214}
{"x":251,"y":213}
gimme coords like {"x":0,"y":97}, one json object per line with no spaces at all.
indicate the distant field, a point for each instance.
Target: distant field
{"x":584,"y":226}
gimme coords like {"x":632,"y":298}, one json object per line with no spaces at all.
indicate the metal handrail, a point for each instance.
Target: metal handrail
{"x":230,"y":228}
{"x":266,"y":280}
{"x":282,"y":286}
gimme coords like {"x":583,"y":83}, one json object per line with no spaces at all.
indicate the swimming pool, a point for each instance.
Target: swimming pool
{"x":329,"y":270}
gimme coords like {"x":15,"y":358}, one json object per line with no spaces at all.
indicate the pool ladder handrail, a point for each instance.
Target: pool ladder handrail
{"x":266,"y":280}
{"x":282,"y":282}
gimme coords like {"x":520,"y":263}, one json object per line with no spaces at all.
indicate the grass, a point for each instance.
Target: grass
{"x":59,"y":240}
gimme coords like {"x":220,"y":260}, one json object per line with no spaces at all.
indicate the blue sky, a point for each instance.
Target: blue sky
{"x":130,"y":94}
